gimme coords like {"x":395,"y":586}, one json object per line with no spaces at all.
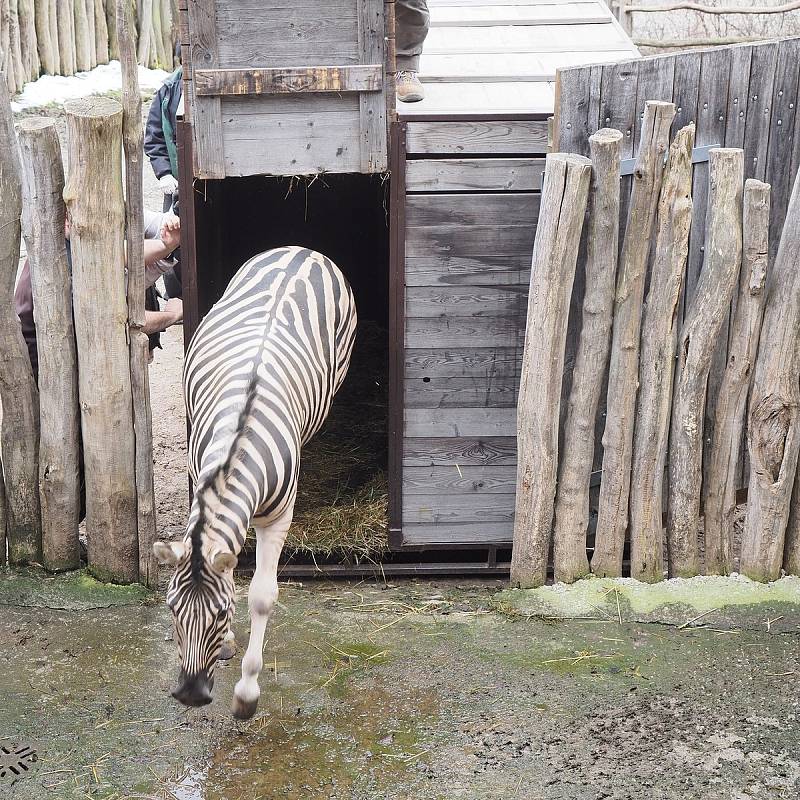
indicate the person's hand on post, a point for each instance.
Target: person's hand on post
{"x":168,"y":184}
{"x":170,"y":233}
{"x":174,"y":306}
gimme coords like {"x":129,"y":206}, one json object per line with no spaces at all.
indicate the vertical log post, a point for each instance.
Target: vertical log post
{"x":59,"y":443}
{"x":96,"y":213}
{"x":612,"y":520}
{"x":139,"y":353}
{"x":773,"y":430}
{"x":659,"y":338}
{"x":572,"y":499}
{"x":720,"y":491}
{"x":3,"y":510}
{"x":698,"y":340}
{"x":555,"y":252}
{"x":19,"y":436}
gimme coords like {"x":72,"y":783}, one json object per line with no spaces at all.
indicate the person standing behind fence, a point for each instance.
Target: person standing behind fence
{"x":412,"y":23}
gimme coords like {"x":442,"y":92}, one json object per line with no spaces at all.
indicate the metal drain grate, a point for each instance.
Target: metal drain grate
{"x":16,"y":761}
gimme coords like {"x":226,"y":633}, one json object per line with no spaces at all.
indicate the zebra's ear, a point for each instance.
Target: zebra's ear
{"x":223,"y":560}
{"x":169,"y":552}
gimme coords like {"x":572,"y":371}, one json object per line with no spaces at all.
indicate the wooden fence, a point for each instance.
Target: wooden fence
{"x":62,"y":37}
{"x":92,"y":384}
{"x":659,"y":366}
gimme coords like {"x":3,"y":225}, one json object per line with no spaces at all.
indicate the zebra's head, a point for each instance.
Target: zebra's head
{"x":202,"y":599}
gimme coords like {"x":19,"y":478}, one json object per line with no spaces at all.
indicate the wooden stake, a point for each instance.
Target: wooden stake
{"x":720,"y":489}
{"x":139,"y":352}
{"x":555,"y":252}
{"x":572,"y":500}
{"x":3,"y":510}
{"x":773,"y":431}
{"x":59,"y":444}
{"x":96,"y":212}
{"x":19,"y":437}
{"x":659,"y":334}
{"x":145,"y":26}
{"x":624,"y":366}
{"x":699,"y":337}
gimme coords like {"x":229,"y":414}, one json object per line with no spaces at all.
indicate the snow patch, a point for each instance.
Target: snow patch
{"x":103,"y":78}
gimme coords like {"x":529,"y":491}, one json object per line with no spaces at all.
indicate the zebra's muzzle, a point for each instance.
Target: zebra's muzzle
{"x":194,"y":690}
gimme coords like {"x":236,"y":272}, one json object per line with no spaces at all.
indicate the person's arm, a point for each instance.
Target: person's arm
{"x":155,"y":144}
{"x":158,"y":321}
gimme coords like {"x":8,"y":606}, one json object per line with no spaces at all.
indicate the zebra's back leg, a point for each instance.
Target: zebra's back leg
{"x":261,"y":600}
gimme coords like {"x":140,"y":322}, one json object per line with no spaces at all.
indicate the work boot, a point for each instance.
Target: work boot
{"x":409,"y":89}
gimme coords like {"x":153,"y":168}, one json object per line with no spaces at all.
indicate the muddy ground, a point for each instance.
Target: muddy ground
{"x":422,"y":690}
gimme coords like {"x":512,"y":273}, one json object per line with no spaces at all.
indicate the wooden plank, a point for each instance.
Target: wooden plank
{"x":738,"y":86}
{"x":372,"y":105}
{"x":574,"y":13}
{"x":448,"y":508}
{"x":491,"y":451}
{"x":460,"y":422}
{"x":756,"y":138}
{"x":478,"y":362}
{"x":483,"y":174}
{"x":464,"y":331}
{"x":460,"y":480}
{"x":499,"y":392}
{"x":471,"y":209}
{"x":475,"y":138}
{"x":466,"y":301}
{"x":469,"y":99}
{"x":208,"y":147}
{"x":654,"y":82}
{"x":781,"y":136}
{"x":358,"y":78}
{"x":459,"y":533}
{"x":574,"y":88}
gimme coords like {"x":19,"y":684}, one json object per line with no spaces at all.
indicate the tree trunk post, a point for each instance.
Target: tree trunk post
{"x":66,"y":38}
{"x":623,"y":375}
{"x":59,"y":442}
{"x":555,"y":252}
{"x":773,"y":430}
{"x":47,"y":54}
{"x":659,"y":335}
{"x":19,"y":437}
{"x":3,"y":510}
{"x":720,"y":491}
{"x":97,"y":214}
{"x":572,"y":499}
{"x":145,"y":26}
{"x":139,"y":351}
{"x":698,"y":340}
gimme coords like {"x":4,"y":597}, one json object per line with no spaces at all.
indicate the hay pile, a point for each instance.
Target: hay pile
{"x":342,"y":496}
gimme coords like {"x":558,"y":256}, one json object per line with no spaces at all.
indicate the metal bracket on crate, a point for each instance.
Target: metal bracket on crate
{"x":699,"y":155}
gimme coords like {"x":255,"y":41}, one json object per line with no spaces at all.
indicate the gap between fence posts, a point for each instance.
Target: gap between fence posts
{"x":659,"y":336}
{"x":132,"y":139}
{"x":59,"y":443}
{"x":720,"y":490}
{"x":570,"y":561}
{"x":555,"y":252}
{"x":612,"y":520}
{"x":773,"y":438}
{"x":19,"y":397}
{"x":96,"y":212}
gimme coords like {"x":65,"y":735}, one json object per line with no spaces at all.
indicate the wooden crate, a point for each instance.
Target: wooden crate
{"x":285,"y":88}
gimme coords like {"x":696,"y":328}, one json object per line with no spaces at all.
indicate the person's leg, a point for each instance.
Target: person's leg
{"x":412,"y":21}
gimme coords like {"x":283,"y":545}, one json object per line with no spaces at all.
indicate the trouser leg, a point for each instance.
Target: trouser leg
{"x":412,"y":21}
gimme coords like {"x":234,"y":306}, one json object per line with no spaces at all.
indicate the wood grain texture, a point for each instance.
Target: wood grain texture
{"x":466,"y":301}
{"x":464,"y":331}
{"x":719,"y":491}
{"x":476,"y":138}
{"x":698,"y":339}
{"x":473,"y":362}
{"x":555,"y":252}
{"x":763,"y":61}
{"x":493,"y":451}
{"x":19,"y":435}
{"x":372,"y":105}
{"x":459,"y":422}
{"x":494,"y":532}
{"x":471,"y":209}
{"x":51,"y":282}
{"x":474,"y":174}
{"x":294,"y":80}
{"x":497,"y":392}
{"x":773,"y":425}
{"x":624,"y":364}
{"x":96,"y":212}
{"x":570,"y":561}
{"x":460,"y":480}
{"x":656,"y":363}
{"x":448,"y":507}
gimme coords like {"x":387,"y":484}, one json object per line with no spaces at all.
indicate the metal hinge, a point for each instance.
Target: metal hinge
{"x":699,"y":154}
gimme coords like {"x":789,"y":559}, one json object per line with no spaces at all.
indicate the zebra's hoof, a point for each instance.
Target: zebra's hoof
{"x":242,"y":709}
{"x":228,"y":650}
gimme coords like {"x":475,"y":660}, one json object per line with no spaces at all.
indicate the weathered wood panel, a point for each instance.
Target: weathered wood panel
{"x":477,"y":138}
{"x":496,"y":451}
{"x":472,"y":174}
{"x":479,"y":362}
{"x":372,"y":104}
{"x":471,"y":209}
{"x":460,"y":422}
{"x":495,"y":392}
{"x":756,"y":137}
{"x":447,"y":508}
{"x":465,"y":331}
{"x":460,"y":480}
{"x":466,"y":301}
{"x":494,"y":532}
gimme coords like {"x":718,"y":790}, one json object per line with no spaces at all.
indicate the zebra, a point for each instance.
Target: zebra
{"x":260,"y":374}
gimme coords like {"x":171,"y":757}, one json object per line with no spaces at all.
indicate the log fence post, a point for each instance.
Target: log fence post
{"x":623,"y":375}
{"x":570,"y":561}
{"x":555,"y":252}
{"x":659,"y":335}
{"x":59,"y":442}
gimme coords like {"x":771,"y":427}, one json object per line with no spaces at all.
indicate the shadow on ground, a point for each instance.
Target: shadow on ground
{"x":416,"y":690}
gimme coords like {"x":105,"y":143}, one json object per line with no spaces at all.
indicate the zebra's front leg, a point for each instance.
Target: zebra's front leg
{"x":261,"y":602}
